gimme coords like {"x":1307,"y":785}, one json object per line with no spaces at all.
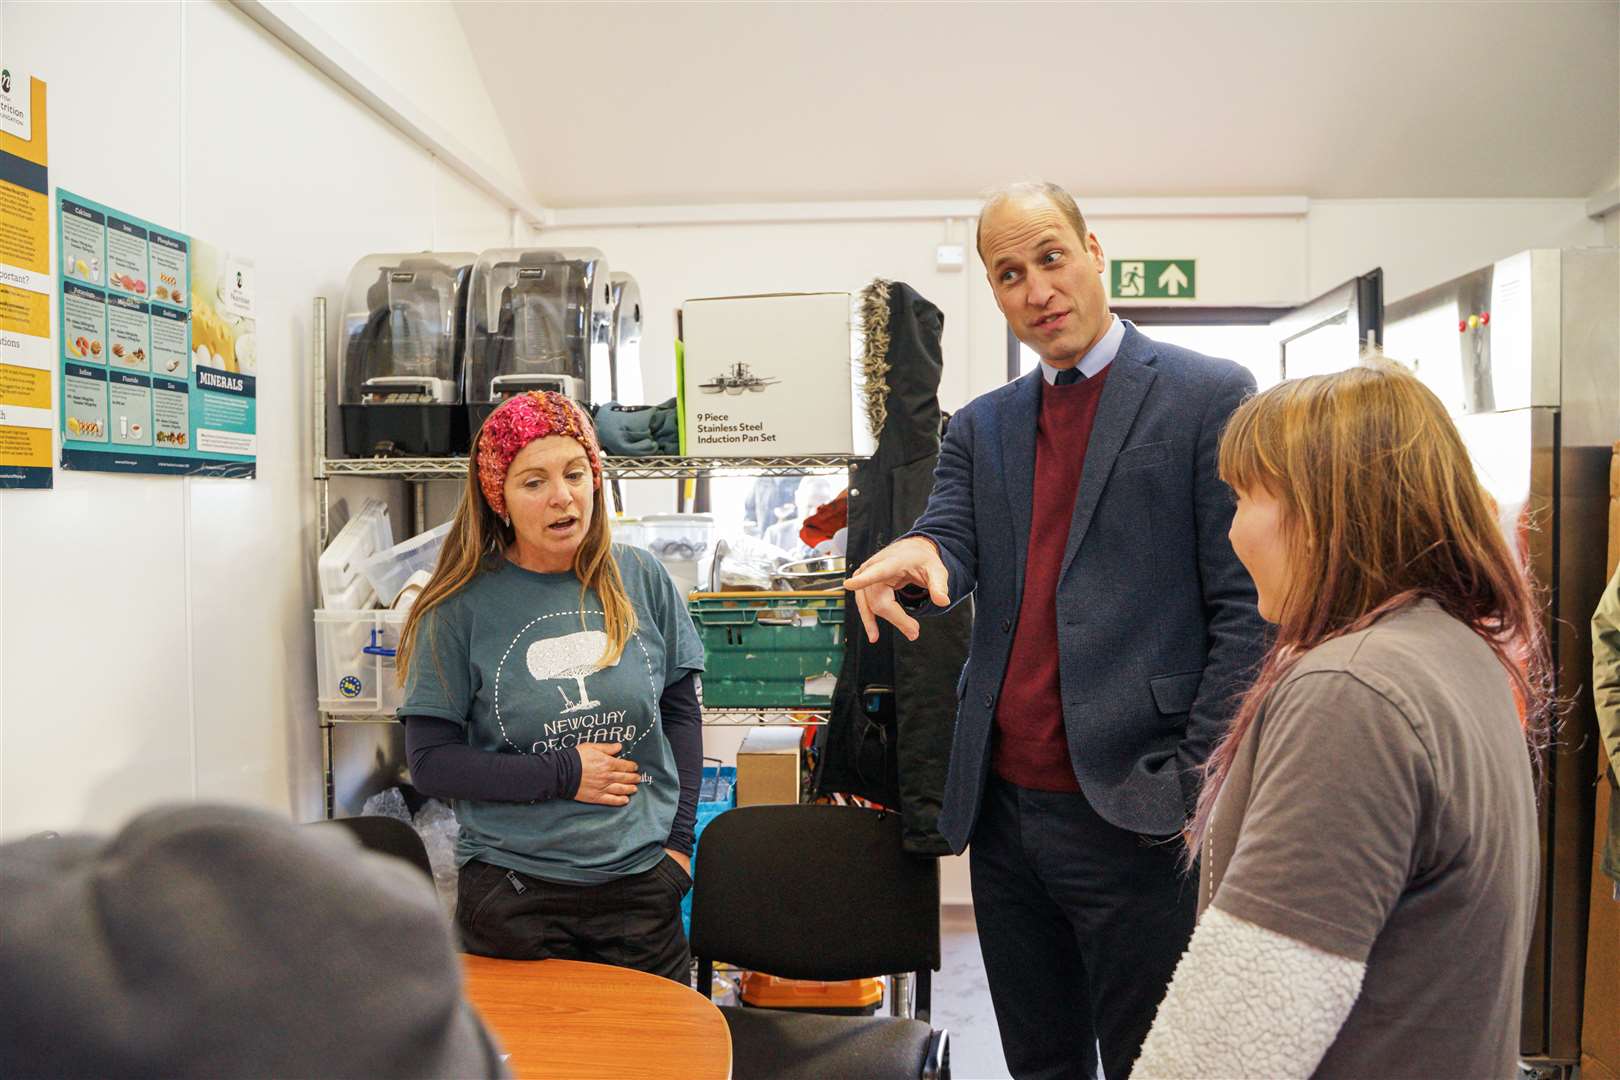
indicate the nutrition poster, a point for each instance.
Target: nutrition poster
{"x":26,"y":359}
{"x":159,"y":368}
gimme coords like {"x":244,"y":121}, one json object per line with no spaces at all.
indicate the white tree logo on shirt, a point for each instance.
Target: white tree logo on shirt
{"x":574,"y":656}
{"x":529,"y":661}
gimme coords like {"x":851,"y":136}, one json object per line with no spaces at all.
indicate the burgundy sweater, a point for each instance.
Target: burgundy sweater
{"x":1031,"y":747}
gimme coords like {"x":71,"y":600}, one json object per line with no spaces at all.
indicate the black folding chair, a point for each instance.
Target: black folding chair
{"x":390,"y":836}
{"x":819,"y":892}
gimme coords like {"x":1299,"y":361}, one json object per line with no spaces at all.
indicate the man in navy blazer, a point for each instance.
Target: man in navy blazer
{"x":1113,"y":629}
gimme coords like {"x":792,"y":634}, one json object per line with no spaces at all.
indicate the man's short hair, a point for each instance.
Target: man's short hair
{"x":1020,"y":189}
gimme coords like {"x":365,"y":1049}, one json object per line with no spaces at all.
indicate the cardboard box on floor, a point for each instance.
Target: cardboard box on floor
{"x":768,"y":767}
{"x":770,"y":376}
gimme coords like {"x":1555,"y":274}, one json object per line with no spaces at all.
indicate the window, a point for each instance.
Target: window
{"x":1243,"y":335}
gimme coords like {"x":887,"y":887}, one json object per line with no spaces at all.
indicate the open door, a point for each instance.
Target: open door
{"x":1327,"y":334}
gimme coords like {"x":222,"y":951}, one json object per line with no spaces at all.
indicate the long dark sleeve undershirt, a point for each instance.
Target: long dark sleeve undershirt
{"x":683,"y":727}
{"x":444,"y":766}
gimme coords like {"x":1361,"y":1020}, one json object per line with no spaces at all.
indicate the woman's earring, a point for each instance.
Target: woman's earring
{"x":506,"y":521}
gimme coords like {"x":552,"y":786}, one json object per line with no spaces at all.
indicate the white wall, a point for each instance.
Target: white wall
{"x":1422,"y":242}
{"x":156,"y":631}
{"x":1241,"y":261}
{"x":420,"y":50}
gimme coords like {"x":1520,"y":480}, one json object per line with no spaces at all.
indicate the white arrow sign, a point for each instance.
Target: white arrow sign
{"x":1173,"y":280}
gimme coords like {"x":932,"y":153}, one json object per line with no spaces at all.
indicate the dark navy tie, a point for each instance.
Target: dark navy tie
{"x":1067,"y":376}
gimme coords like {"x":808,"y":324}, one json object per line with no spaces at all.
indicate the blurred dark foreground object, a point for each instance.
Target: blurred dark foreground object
{"x":221,"y":941}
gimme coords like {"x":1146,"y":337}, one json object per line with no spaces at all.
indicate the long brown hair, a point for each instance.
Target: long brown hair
{"x":478,"y":539}
{"x":1380,"y":508}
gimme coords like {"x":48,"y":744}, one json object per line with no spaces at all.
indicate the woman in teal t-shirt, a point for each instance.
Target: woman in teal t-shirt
{"x":551,"y":691}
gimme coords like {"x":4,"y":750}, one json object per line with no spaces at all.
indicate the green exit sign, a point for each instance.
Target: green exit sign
{"x":1154,"y":279}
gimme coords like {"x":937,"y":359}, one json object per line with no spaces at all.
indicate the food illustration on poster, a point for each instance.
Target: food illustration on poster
{"x":159,"y":368}
{"x":222,"y":321}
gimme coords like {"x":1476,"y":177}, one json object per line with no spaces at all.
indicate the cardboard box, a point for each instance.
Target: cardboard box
{"x":768,"y":767}
{"x":770,"y":376}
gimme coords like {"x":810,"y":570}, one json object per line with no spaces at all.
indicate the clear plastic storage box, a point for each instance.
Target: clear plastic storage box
{"x":354,"y":661}
{"x":628,"y":530}
{"x":388,"y":570}
{"x":399,"y":377}
{"x":684,"y":543}
{"x":343,"y":585}
{"x":537,"y":319}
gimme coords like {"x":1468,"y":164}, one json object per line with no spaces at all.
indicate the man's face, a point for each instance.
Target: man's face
{"x":1047,"y":281}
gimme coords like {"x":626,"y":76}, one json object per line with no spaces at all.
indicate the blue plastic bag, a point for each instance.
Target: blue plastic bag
{"x":716,"y":794}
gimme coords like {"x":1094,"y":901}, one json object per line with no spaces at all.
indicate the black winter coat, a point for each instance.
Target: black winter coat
{"x":889,"y":736}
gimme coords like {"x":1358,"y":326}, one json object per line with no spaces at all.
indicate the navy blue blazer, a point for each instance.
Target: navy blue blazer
{"x":1157,"y":624}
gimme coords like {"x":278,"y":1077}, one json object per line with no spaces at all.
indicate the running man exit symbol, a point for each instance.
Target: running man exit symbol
{"x":1130,"y":279}
{"x":1154,"y":279}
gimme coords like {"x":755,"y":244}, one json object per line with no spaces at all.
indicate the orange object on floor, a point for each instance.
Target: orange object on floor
{"x":851,"y":997}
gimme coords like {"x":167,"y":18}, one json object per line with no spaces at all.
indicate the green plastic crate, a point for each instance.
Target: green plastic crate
{"x":770,"y":650}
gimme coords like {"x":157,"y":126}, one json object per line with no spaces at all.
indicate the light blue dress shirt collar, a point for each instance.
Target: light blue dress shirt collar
{"x":1100,"y":356}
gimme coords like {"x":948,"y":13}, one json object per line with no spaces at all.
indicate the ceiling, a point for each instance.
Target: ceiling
{"x":620,"y":104}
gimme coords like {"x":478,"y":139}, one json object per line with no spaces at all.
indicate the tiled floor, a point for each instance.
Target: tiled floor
{"x":962,"y":1000}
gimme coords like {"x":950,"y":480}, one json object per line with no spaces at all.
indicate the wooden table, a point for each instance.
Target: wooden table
{"x":575,"y":1021}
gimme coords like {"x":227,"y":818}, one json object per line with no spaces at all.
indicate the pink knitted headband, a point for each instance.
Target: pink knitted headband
{"x":517,"y":422}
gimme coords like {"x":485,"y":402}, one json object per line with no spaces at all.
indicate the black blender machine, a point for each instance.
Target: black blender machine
{"x":399,"y":383}
{"x":537,"y":319}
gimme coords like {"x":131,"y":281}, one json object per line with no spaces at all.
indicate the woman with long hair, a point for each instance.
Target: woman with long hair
{"x":1366,"y":831}
{"x":550,"y":679}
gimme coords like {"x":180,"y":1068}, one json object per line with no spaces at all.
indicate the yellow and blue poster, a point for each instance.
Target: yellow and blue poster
{"x":159,"y":370}
{"x":26,"y":360}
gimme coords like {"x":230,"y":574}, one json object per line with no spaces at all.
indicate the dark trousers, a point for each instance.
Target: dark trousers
{"x":634,"y":922}
{"x":1081,"y":925}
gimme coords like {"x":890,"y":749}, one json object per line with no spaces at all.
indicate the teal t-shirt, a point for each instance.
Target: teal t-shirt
{"x":511,"y":658}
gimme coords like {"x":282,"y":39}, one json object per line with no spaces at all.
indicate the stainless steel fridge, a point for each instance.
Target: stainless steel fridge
{"x":1526,"y":355}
